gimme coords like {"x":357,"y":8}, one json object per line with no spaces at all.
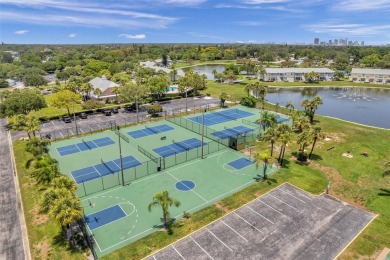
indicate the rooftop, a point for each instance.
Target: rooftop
{"x":298,"y":70}
{"x":370,"y":71}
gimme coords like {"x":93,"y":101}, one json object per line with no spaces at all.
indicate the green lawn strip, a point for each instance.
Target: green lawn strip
{"x":180,"y":65}
{"x":45,"y":235}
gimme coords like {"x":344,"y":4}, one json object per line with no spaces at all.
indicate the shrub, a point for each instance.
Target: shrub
{"x":154,"y":109}
{"x":92,"y":104}
{"x":248,"y":101}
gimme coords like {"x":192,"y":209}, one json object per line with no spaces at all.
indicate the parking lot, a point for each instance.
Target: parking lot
{"x":285,"y":223}
{"x":59,"y":129}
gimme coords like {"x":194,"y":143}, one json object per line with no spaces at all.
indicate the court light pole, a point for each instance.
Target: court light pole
{"x":202,"y":135}
{"x":74,"y":118}
{"x":120,"y":154}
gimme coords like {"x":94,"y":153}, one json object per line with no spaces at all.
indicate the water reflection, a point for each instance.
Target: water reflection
{"x":370,"y":106}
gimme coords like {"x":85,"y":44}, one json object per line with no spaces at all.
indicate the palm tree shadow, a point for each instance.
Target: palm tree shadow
{"x":385,"y":192}
{"x":160,"y":226}
{"x":60,"y":241}
{"x":316,"y":157}
{"x":386,"y":173}
{"x":29,"y":162}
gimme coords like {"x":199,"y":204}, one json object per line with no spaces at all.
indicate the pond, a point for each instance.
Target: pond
{"x":208,"y":69}
{"x":368,"y":106}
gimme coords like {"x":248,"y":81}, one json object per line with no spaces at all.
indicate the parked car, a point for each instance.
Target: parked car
{"x":67,"y":119}
{"x":107,"y":112}
{"x":114,"y":110}
{"x":129,"y":107}
{"x":83,"y":116}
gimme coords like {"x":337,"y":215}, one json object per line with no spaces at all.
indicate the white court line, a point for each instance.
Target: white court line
{"x":83,"y":174}
{"x":122,"y":210}
{"x":271,"y":207}
{"x":90,"y":231}
{"x":154,"y":257}
{"x":282,"y":201}
{"x":178,"y":252}
{"x":96,"y":170}
{"x":292,"y":195}
{"x":260,"y":215}
{"x":248,"y":223}
{"x":202,"y":248}
{"x":110,"y":221}
{"x":219,"y":239}
{"x":187,"y":187}
{"x":234,"y":230}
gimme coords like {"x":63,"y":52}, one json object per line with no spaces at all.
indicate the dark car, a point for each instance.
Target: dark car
{"x":129,"y":107}
{"x":107,"y":112}
{"x":67,"y":119}
{"x":83,"y":116}
{"x":114,"y":110}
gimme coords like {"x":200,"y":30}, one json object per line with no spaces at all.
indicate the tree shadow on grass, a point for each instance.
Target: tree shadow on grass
{"x":386,"y":173}
{"x":385,"y":192}
{"x":316,"y":157}
{"x":29,"y":163}
{"x":60,"y":241}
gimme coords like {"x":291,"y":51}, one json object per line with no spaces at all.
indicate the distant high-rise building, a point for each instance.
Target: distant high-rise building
{"x":316,"y":41}
{"x":330,"y":42}
{"x":336,"y":42}
{"x":362,"y":43}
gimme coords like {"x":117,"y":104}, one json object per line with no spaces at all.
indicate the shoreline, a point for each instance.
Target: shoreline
{"x":335,"y":86}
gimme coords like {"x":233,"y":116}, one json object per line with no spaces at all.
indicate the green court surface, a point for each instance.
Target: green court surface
{"x":212,"y":178}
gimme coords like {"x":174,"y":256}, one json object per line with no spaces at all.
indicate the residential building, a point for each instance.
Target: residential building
{"x":153,"y":65}
{"x":106,"y":87}
{"x":294,"y":74}
{"x":379,"y":76}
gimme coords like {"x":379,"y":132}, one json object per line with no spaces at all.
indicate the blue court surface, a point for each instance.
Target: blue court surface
{"x":99,"y":170}
{"x":220,"y":116}
{"x":240,"y":163}
{"x":185,"y":185}
{"x":280,"y":119}
{"x":234,"y":131}
{"x":84,"y":146}
{"x":178,"y":147}
{"x":150,"y":131}
{"x":104,"y":217}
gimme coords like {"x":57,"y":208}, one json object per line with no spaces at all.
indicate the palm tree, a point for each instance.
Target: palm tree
{"x":314,"y":105}
{"x":267,"y":119}
{"x":64,"y":182}
{"x":28,"y":123}
{"x":134,"y":92}
{"x":249,"y":87}
{"x":277,"y":106}
{"x":86,"y":89}
{"x":46,"y":169}
{"x":214,"y":72}
{"x":173,"y":74}
{"x":303,"y":140}
{"x":290,"y":105}
{"x":270,"y":135}
{"x":223,"y":97}
{"x":116,"y":91}
{"x":261,"y":92}
{"x":300,"y":120}
{"x":164,"y":201}
{"x":66,"y":210}
{"x":285,"y":139}
{"x":316,"y":133}
{"x":37,"y":146}
{"x":262,"y":158}
{"x":97,"y":92}
{"x":49,"y":196}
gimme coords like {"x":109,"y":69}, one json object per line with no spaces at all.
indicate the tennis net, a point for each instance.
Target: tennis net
{"x":108,"y":167}
{"x":86,"y":144}
{"x":226,"y":116}
{"x":152,"y":129}
{"x":181,"y":145}
{"x":235,"y":131}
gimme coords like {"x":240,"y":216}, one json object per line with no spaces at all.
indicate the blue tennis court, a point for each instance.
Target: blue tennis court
{"x":280,"y":119}
{"x":104,"y":217}
{"x":234,"y":131}
{"x":84,"y":146}
{"x":178,"y":147}
{"x":220,"y":116}
{"x":150,"y":131}
{"x":102,"y":169}
{"x":240,"y":163}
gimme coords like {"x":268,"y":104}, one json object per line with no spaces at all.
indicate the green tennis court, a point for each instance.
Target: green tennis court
{"x":118,"y":214}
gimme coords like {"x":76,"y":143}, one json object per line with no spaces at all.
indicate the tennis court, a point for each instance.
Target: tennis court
{"x":233,"y":131}
{"x":84,"y":146}
{"x":103,"y":169}
{"x":150,"y":131}
{"x":285,"y":223}
{"x":222,"y":116}
{"x":178,"y":147}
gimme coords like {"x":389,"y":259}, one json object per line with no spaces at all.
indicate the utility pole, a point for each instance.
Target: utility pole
{"x":74,"y":118}
{"x":120,"y":154}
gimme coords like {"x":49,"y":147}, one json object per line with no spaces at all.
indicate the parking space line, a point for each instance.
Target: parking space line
{"x":154,"y":257}
{"x":201,"y":248}
{"x":260,"y":215}
{"x":248,"y":223}
{"x":271,"y":207}
{"x":61,"y":134}
{"x":178,"y":252}
{"x":219,"y":239}
{"x":291,"y":195}
{"x":52,"y":122}
{"x":71,"y":131}
{"x":82,"y":131}
{"x":234,"y":230}
{"x":282,"y":201}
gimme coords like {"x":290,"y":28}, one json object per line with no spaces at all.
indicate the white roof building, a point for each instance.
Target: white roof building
{"x":105,"y":86}
{"x":294,"y":74}
{"x":381,"y":76}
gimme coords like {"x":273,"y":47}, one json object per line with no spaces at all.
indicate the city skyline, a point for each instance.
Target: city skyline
{"x":194,"y":21}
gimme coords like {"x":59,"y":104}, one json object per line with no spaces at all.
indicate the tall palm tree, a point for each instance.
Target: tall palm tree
{"x":303,"y":140}
{"x":37,"y":146}
{"x":267,"y":119}
{"x":290,"y":105}
{"x":131,"y":92}
{"x":249,"y":87}
{"x":97,"y":92}
{"x":164,"y":201}
{"x":300,"y":120}
{"x":214,"y":72}
{"x":262,"y":158}
{"x":313,"y":106}
{"x":66,"y":210}
{"x":49,"y":196}
{"x":28,"y":123}
{"x":285,"y":139}
{"x":116,"y":91}
{"x":277,"y":106}
{"x":270,"y":135}
{"x":45,"y":170}
{"x":86,"y":89}
{"x":64,"y":182}
{"x":316,"y":133}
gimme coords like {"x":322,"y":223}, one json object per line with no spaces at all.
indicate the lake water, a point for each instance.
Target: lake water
{"x":368,"y":106}
{"x":208,"y":69}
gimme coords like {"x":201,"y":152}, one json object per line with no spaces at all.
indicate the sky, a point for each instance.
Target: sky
{"x":193,"y":21}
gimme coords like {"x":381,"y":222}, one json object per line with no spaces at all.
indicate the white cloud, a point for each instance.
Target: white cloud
{"x":250,"y":23}
{"x":131,"y":36}
{"x":72,"y":35}
{"x":337,"y":28}
{"x":239,"y":42}
{"x":257,"y":2}
{"x":185,"y":2}
{"x":362,"y":5}
{"x":252,"y":41}
{"x":21,"y":32}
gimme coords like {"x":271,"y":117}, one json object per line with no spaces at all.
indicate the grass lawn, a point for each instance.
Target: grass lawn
{"x":180,"y":65}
